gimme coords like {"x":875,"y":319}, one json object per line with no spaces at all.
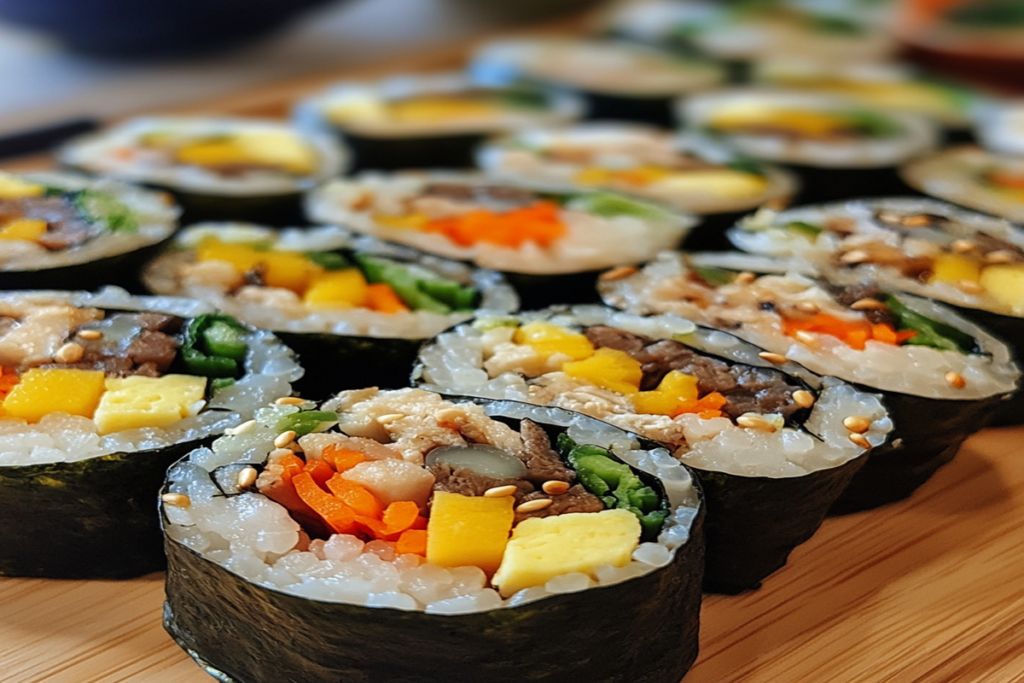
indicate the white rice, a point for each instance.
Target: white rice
{"x":315,"y":112}
{"x":918,"y":134}
{"x":156,"y":213}
{"x":918,"y":370}
{"x":1000,"y":127}
{"x":604,"y":66}
{"x":592,"y":242}
{"x":269,"y":371}
{"x":98,"y":153}
{"x":956,"y":175}
{"x":255,"y":538}
{"x":523,"y":157}
{"x":765,"y":233}
{"x":455,"y":362}
{"x":281,"y":309}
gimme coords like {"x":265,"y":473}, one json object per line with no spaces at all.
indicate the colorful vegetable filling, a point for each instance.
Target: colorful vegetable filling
{"x":229,"y":153}
{"x":427,"y":108}
{"x":807,"y":124}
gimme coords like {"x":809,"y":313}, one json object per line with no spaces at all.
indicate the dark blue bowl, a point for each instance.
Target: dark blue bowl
{"x":153,"y":28}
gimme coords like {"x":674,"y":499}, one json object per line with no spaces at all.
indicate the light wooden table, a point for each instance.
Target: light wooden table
{"x":926,"y":591}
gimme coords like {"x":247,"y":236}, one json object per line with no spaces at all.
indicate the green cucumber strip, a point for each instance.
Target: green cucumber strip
{"x":307,"y":422}
{"x":747,"y":165}
{"x":458,"y":297}
{"x":328,"y":260}
{"x":221,"y":383}
{"x":611,"y":205}
{"x":419,"y":292}
{"x":873,"y":124}
{"x":714,"y":276}
{"x":524,"y":98}
{"x":198,"y":356}
{"x":221,"y":339}
{"x":931,"y":333}
{"x":105,"y":208}
{"x":198,"y":363}
{"x":808,"y":229}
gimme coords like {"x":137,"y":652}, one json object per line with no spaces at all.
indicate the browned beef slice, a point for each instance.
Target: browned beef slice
{"x":987,"y":244}
{"x":158,"y":322}
{"x":542,"y":463}
{"x":847,"y":296}
{"x":576,"y":499}
{"x":604,"y":337}
{"x":65,"y":226}
{"x":466,"y":482}
{"x":153,"y":348}
{"x":481,"y":193}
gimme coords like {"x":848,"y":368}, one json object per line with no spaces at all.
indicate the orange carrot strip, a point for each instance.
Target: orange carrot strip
{"x":381,"y":297}
{"x":905,"y":335}
{"x":356,"y":496}
{"x":338,"y":516}
{"x":537,"y":223}
{"x":412,"y":541}
{"x":400,"y":515}
{"x":419,"y":523}
{"x":342,"y":459}
{"x":319,"y":470}
{"x":373,"y":527}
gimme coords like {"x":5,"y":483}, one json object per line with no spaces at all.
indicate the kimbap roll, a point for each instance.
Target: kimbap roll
{"x":328,"y":293}
{"x":1000,"y":127}
{"x":401,"y":537}
{"x":217,"y":168}
{"x":428,"y":121}
{"x":972,"y":262}
{"x":645,"y":162}
{"x":767,"y":437}
{"x":549,"y":243}
{"x":618,"y":80}
{"x":99,"y":394}
{"x":61,"y":229}
{"x":901,"y":346}
{"x":840,"y":148}
{"x":972,"y":177}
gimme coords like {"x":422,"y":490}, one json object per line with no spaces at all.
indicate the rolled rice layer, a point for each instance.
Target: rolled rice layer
{"x":956,"y":175}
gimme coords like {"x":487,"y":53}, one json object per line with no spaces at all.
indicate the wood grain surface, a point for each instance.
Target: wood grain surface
{"x":930,"y":590}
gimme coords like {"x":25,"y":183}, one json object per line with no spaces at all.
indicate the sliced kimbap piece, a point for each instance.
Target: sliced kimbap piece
{"x":1000,"y":127}
{"x":217,"y":168}
{"x":423,"y":539}
{"x":972,"y":177}
{"x":428,"y":121}
{"x":766,"y":437}
{"x":899,"y":345}
{"x":62,"y":229}
{"x":618,"y":80}
{"x":972,"y":262}
{"x":359,"y":307}
{"x":645,"y":162}
{"x":839,"y":148}
{"x":550,"y":243}
{"x":99,"y":395}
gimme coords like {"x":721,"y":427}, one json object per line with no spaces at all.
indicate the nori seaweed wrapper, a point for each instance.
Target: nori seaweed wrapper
{"x":1010,"y":329}
{"x":820,"y":184}
{"x":89,"y":519}
{"x":271,"y":209}
{"x":394,"y":153}
{"x":539,"y":291}
{"x":710,"y":233}
{"x":233,"y":629}
{"x":657,"y":110}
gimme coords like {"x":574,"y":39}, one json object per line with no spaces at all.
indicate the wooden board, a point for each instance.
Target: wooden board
{"x":926,"y":591}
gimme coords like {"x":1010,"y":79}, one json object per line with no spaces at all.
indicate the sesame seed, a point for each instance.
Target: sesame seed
{"x":241,"y":429}
{"x":246,"y":478}
{"x":555,"y":487}
{"x":802,"y":398}
{"x":745,"y":278}
{"x":999,"y":256}
{"x":807,"y":307}
{"x":284,"y":438}
{"x":968,"y":287}
{"x":868,"y":305}
{"x":755,"y":422}
{"x":855,"y":256}
{"x":534,"y":505}
{"x":280,"y":453}
{"x":389,"y":418}
{"x":500,"y":491}
{"x":805,"y":337}
{"x":617,"y":273}
{"x":178,"y":500}
{"x":69,"y":353}
{"x":860,"y":440}
{"x":91,"y":335}
{"x":857,"y":423}
{"x":962,"y":246}
{"x":449,"y":415}
{"x":289,"y":401}
{"x":774,"y":358}
{"x":955,"y":380}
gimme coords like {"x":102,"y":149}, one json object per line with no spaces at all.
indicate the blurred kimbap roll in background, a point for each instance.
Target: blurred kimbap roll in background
{"x":768,"y":439}
{"x":485,"y":541}
{"x":902,"y":346}
{"x":839,"y":148}
{"x":65,"y":230}
{"x":360,"y":305}
{"x":217,"y":168}
{"x":549,"y":243}
{"x":100,"y":394}
{"x":972,"y":177}
{"x":429,"y":121}
{"x":970,"y":261}
{"x":647,"y":162}
{"x":617,"y":80}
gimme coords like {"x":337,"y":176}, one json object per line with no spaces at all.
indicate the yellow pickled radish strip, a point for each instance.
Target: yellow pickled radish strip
{"x":413,"y":221}
{"x":608,"y":368}
{"x":674,"y":391}
{"x":545,"y":547}
{"x":955,"y":268}
{"x":13,"y":187}
{"x":548,"y":339}
{"x":136,"y":402}
{"x":466,"y":531}
{"x":805,"y":122}
{"x":439,"y":108}
{"x":29,"y":230}
{"x":1005,"y":283}
{"x":42,"y":391}
{"x":276,"y":149}
{"x":284,"y":269}
{"x":640,"y":176}
{"x":242,"y":256}
{"x":337,"y":289}
{"x":721,"y":182}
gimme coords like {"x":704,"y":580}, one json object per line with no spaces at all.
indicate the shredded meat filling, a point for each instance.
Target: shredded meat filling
{"x":491,"y":194}
{"x":65,"y":225}
{"x":149,"y":354}
{"x":847,"y":296}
